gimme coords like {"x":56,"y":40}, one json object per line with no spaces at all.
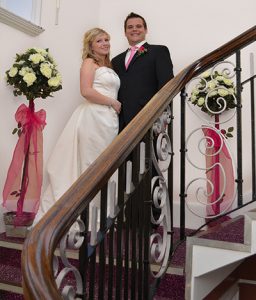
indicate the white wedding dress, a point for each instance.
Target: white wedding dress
{"x":91,"y":128}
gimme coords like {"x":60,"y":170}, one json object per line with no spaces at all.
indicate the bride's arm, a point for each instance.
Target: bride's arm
{"x":87,"y":73}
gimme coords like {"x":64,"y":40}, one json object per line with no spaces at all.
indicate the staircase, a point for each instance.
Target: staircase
{"x":210,"y":257}
{"x":133,"y":243}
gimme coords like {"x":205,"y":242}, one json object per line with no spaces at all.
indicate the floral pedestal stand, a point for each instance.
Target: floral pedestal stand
{"x":24,"y":177}
{"x":34,"y":75}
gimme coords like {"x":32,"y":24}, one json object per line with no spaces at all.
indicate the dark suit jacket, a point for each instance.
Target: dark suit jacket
{"x":146,"y":74}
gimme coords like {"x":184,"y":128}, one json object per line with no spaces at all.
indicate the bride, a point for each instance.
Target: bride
{"x":92,"y":126}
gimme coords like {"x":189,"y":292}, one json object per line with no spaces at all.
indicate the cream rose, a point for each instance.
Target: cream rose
{"x":36,"y":58}
{"x":222,"y":92}
{"x":41,"y":51}
{"x":195,"y":92}
{"x":193,"y":98}
{"x":29,"y":78}
{"x":219,"y":78}
{"x":200,"y":101}
{"x":206,"y":74}
{"x":13,"y":71}
{"x":227,"y":81}
{"x":46,"y":70}
{"x":25,"y":70}
{"x":54,"y":81}
{"x":211,"y":84}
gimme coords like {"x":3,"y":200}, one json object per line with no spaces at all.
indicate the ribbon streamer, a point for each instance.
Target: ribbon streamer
{"x":23,"y":184}
{"x":217,"y":154}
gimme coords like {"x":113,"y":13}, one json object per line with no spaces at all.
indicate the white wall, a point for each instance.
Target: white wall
{"x":189,"y":28}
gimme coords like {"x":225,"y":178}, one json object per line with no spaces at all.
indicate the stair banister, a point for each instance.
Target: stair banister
{"x":39,"y":247}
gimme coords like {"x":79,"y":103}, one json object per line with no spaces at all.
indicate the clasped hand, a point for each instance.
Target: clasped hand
{"x":117,"y":106}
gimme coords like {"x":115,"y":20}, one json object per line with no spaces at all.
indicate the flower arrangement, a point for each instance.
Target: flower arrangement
{"x":142,"y":50}
{"x":214,"y":94}
{"x":34,"y":74}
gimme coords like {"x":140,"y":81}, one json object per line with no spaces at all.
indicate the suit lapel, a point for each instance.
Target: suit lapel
{"x":122,"y":59}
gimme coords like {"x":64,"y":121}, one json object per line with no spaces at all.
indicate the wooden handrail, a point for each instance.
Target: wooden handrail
{"x":39,"y":247}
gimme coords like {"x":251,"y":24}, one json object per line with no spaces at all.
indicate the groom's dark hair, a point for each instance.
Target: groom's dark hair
{"x":133,"y":15}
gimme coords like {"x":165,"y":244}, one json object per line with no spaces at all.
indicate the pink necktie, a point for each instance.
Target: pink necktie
{"x":133,"y":51}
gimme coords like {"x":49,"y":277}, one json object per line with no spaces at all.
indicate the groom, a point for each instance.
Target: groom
{"x":143,"y":69}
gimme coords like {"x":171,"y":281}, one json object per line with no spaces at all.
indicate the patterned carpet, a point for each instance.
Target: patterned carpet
{"x":172,"y":287}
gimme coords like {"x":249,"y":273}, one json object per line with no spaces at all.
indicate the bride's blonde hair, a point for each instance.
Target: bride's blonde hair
{"x":89,"y":38}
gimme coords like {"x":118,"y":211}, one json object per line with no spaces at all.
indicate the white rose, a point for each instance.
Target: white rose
{"x":46,"y":70}
{"x":219,"y":78}
{"x":41,"y":51}
{"x":36,"y":58}
{"x":222,"y":92}
{"x":195,"y":91}
{"x":25,"y":70}
{"x":206,"y":74}
{"x":59,"y":76}
{"x":29,"y":78}
{"x":54,"y":81}
{"x":227,"y":81}
{"x":13,"y":71}
{"x":193,"y":98}
{"x":211,"y":85}
{"x":200,"y":101}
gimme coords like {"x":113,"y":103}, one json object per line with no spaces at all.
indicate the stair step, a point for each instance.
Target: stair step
{"x":172,"y":287}
{"x":10,"y":272}
{"x":4,"y":295}
{"x":10,"y":242}
{"x":229,"y":231}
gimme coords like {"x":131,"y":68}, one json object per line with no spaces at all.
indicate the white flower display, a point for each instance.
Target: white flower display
{"x":214,"y":93}
{"x":34,"y":74}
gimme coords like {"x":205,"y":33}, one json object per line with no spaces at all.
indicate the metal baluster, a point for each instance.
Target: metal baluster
{"x":102,"y":254}
{"x":170,"y":173}
{"x":147,"y":205}
{"x":239,"y":179}
{"x":134,"y":215}
{"x":120,"y":230}
{"x":182,"y":161}
{"x":110,"y":262}
{"x":83,"y":253}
